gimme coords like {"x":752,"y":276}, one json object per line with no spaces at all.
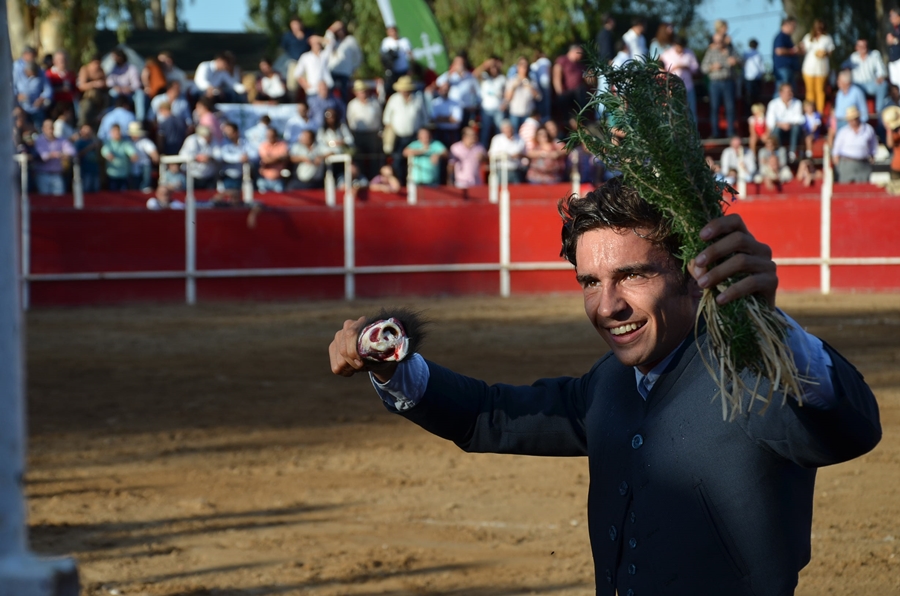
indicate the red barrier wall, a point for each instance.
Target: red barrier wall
{"x":115,"y":233}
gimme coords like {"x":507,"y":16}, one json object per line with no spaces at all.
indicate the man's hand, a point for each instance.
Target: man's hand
{"x":345,"y":360}
{"x":749,"y":257}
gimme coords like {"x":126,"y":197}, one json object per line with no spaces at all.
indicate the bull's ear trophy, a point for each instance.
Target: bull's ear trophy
{"x":391,"y":336}
{"x":648,"y":134}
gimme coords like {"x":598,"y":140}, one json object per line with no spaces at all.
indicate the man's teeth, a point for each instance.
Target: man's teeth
{"x":625,"y":328}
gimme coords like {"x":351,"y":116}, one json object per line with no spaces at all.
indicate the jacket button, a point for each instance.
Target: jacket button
{"x":623,"y":488}
{"x":630,"y":592}
{"x":637,"y":441}
{"x":632,"y":543}
{"x":632,"y":569}
{"x":632,"y":517}
{"x":609,"y":576}
{"x":612,"y":533}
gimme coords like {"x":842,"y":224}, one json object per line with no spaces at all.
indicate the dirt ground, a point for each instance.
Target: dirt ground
{"x":208,"y":450}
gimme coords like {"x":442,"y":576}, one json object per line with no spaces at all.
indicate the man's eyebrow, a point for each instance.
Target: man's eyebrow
{"x":585,"y":278}
{"x":637,"y":268}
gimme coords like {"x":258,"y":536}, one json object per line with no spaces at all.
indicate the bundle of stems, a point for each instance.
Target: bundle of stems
{"x":648,"y":134}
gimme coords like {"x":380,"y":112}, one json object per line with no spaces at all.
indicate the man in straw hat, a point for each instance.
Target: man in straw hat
{"x":404,"y":115}
{"x":854,"y":148}
{"x":891,"y":119}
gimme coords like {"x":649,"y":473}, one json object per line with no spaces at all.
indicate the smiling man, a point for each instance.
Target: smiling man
{"x":681,"y":502}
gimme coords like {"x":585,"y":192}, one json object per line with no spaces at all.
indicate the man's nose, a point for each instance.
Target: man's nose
{"x":611,"y":301}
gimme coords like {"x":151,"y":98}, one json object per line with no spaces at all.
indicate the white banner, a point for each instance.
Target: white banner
{"x":246,"y":115}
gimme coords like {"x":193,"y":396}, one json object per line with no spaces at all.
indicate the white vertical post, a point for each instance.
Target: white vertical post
{"x":504,"y":229}
{"x":77,"y":188}
{"x":349,"y":241}
{"x":247,"y":184}
{"x":25,"y":223}
{"x":825,"y":232}
{"x":330,"y":194}
{"x":576,"y":175}
{"x":412,"y":190}
{"x":348,"y":177}
{"x":190,"y":240}
{"x":493,"y":182}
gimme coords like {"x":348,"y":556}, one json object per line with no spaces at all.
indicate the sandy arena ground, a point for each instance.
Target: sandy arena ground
{"x":208,"y":450}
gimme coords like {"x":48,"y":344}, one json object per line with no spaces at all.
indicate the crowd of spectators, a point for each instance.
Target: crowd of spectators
{"x":117,"y":116}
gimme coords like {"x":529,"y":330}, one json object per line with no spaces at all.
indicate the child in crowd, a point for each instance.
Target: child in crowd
{"x":171,"y":180}
{"x":807,"y":173}
{"x":812,"y":125}
{"x":757,"y":125}
{"x":119,"y":154}
{"x":385,"y":181}
{"x":773,"y":168}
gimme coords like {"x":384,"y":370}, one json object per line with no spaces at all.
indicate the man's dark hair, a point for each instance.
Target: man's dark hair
{"x":753,"y":44}
{"x":615,"y":206}
{"x":787,"y":20}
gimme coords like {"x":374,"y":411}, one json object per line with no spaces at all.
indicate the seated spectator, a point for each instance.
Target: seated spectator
{"x":546,"y":159}
{"x":94,"y":92}
{"x":119,"y":154}
{"x":509,"y":147}
{"x":447,"y":115}
{"x":213,"y":80}
{"x":171,"y":131}
{"x":269,"y":85}
{"x":891,"y":120}
{"x":426,"y":155}
{"x":807,"y":173}
{"x":178,"y":104}
{"x":201,"y":166}
{"x":773,"y":168}
{"x":738,"y":160}
{"x":33,"y":93}
{"x":854,"y":149}
{"x":232,"y":153}
{"x":124,"y":80}
{"x":87,"y":151}
{"x":812,"y":125}
{"x":466,"y":157}
{"x":205,"y":115}
{"x":56,"y":154}
{"x":529,"y":128}
{"x":344,"y":57}
{"x":273,"y":158}
{"x":171,"y":72}
{"x":62,"y":80}
{"x":357,"y":180}
{"x":257,"y":133}
{"x":312,"y":68}
{"x":120,"y":115}
{"x":147,"y":158}
{"x":322,"y":101}
{"x":867,"y":71}
{"x":171,"y":180}
{"x":298,"y":123}
{"x":385,"y":181}
{"x":784,"y":118}
{"x":847,"y":96}
{"x":759,"y":130}
{"x":153,"y":78}
{"x":334,"y":137}
{"x":681,"y":61}
{"x":364,"y":115}
{"x":305,"y":156}
{"x":492,"y":89}
{"x":521,"y":94}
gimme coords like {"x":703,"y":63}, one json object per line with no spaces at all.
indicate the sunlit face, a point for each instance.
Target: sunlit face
{"x":786,"y":93}
{"x":634,"y":296}
{"x":424,"y":136}
{"x":47,"y":128}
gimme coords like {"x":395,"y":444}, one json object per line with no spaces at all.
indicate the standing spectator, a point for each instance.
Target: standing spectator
{"x":29,"y":54}
{"x":344,"y":57}
{"x":426,"y":155}
{"x":681,"y":60}
{"x":737,"y":163}
{"x":447,"y":115}
{"x":663,"y":41}
{"x":120,"y":115}
{"x":334,"y":137}
{"x":720,"y":26}
{"x":784,"y":119}
{"x":269,"y":86}
{"x":124,"y":80}
{"x":178,"y":105}
{"x":119,"y":154}
{"x":147,"y":157}
{"x":893,"y":43}
{"x":521,"y":94}
{"x":508,"y":146}
{"x":87,"y":151}
{"x":466,"y":157}
{"x":847,"y":96}
{"x":201,"y":166}
{"x":273,"y":158}
{"x":305,"y":155}
{"x":463,"y":86}
{"x":718,"y":64}
{"x":540,"y":72}
{"x":33,"y":93}
{"x":493,"y":102}
{"x":404,"y":114}
{"x":606,"y":41}
{"x":294,"y":43}
{"x":94,"y":92}
{"x":634,"y":38}
{"x":754,"y":70}
{"x":891,"y":120}
{"x":568,"y":82}
{"x":784,"y":54}
{"x":396,"y":55}
{"x":62,"y":80}
{"x":171,"y":72}
{"x":546,"y":159}
{"x":817,"y":46}
{"x":312,"y":68}
{"x":153,"y":78}
{"x":321,"y":101}
{"x":171,"y":130}
{"x":854,"y":149}
{"x":49,"y":170}
{"x":232,"y":153}
{"x":213,"y":79}
{"x":364,"y":115}
{"x":867,"y":71}
{"x":298,"y":123}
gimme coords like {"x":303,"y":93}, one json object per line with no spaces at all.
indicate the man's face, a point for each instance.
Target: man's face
{"x":231,"y":134}
{"x":634,"y":296}
{"x":789,"y":27}
{"x":575,"y":54}
{"x":392,"y":32}
{"x":115,"y":133}
{"x":221,"y":64}
{"x":786,"y":94}
{"x":47,"y":129}
{"x":424,"y":136}
{"x":843,"y":83}
{"x":119,"y":59}
{"x":894,"y":18}
{"x":862,"y":47}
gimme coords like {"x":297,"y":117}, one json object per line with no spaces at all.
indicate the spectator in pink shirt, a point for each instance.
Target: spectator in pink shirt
{"x":680,"y":60}
{"x":205,"y":116}
{"x":466,"y":156}
{"x":273,"y":158}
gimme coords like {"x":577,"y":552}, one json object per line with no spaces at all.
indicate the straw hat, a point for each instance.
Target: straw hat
{"x":404,"y":83}
{"x":204,"y":131}
{"x":360,"y":85}
{"x":852,"y":113}
{"x":135,"y":130}
{"x":891,"y":117}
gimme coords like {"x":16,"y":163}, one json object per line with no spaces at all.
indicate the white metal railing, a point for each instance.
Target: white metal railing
{"x":499,"y":193}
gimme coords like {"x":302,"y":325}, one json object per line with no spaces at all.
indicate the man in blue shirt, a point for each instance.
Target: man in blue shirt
{"x":784,"y":54}
{"x":121,"y":115}
{"x":33,"y":92}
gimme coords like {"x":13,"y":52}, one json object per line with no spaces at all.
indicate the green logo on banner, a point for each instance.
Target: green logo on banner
{"x":415,"y":21}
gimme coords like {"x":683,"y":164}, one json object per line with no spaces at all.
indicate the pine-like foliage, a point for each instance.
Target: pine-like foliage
{"x":650,"y":137}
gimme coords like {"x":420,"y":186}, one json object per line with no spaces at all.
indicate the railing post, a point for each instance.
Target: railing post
{"x":504,"y":229}
{"x":825,"y":231}
{"x":25,"y":223}
{"x":493,"y":182}
{"x":247,"y":183}
{"x":412,"y":190}
{"x":330,"y":195}
{"x":190,"y":240}
{"x":77,"y":187}
{"x":576,"y":175}
{"x":349,"y":237}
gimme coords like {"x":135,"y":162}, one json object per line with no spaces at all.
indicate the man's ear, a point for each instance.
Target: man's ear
{"x":693,"y":289}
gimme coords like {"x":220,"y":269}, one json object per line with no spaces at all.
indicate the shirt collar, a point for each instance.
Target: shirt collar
{"x":645,"y":382}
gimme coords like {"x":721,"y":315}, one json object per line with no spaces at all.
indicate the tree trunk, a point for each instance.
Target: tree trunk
{"x":138,"y":13}
{"x":50,"y":28}
{"x":880,"y":41}
{"x":171,"y":15}
{"x":156,"y":11}
{"x":18,"y":33}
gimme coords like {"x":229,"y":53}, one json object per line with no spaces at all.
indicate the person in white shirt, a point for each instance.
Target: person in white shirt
{"x":269,"y":86}
{"x":785,"y":119}
{"x":232,"y":153}
{"x":521,"y":94}
{"x":447,"y":115}
{"x":364,"y":115}
{"x":634,"y":39}
{"x":507,"y":144}
{"x":198,"y":149}
{"x":754,"y":70}
{"x":493,"y":104}
{"x":817,"y":45}
{"x":854,"y":148}
{"x":396,"y":54}
{"x":737,"y":163}
{"x":404,"y":115}
{"x":344,"y":57}
{"x":213,"y":79}
{"x":147,"y":157}
{"x":867,"y":71}
{"x":463,"y":86}
{"x":298,"y":123}
{"x":312,"y":67}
